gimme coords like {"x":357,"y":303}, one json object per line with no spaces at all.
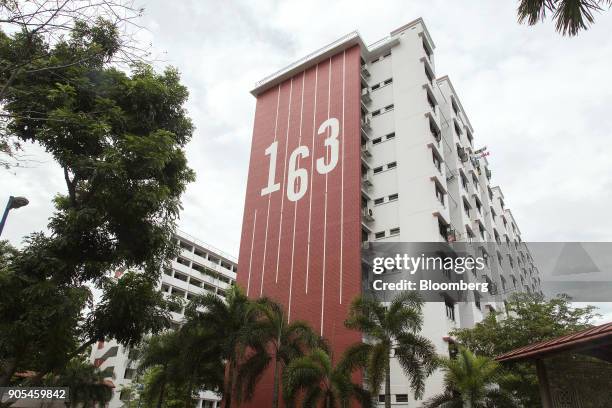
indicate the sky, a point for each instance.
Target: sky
{"x":537,"y":100}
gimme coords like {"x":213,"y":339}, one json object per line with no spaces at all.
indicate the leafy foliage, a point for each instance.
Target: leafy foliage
{"x":393,"y":328}
{"x":119,"y":138}
{"x":471,"y":381}
{"x":530,"y":319}
{"x":322,"y":382}
{"x":571,"y":16}
{"x":274,"y":340}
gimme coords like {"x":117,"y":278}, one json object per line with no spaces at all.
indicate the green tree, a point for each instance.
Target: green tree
{"x":570,"y":16}
{"x":395,"y":328}
{"x":275,"y":341}
{"x":224,"y":325}
{"x":471,"y":382}
{"x":85,"y":381}
{"x":530,"y":319}
{"x":39,"y":23}
{"x":160,"y":363}
{"x":119,"y":139}
{"x":322,"y":382}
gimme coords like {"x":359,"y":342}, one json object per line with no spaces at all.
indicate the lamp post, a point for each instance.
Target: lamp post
{"x":13,"y":202}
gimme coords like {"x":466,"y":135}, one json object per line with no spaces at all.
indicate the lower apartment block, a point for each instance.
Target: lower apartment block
{"x":199,"y":268}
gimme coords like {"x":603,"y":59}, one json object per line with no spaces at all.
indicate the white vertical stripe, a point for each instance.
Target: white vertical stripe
{"x":325,"y":205}
{"x":251,"y":254}
{"x":263,"y":265}
{"x":295,"y":207}
{"x":314,"y":130}
{"x":342,"y":174}
{"x":280,"y":224}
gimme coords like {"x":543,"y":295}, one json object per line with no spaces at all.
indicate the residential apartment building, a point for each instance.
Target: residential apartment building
{"x":199,"y":268}
{"x":355,"y":144}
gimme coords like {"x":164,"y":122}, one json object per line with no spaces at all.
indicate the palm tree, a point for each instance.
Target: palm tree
{"x":571,"y":16}
{"x":393,"y":329}
{"x":86,"y":382}
{"x":470,"y":382}
{"x":274,"y":340}
{"x":315,"y":374}
{"x":159,"y":361}
{"x":230,"y":321}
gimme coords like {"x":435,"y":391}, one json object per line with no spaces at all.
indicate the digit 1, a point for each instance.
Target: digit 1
{"x":271,"y":187}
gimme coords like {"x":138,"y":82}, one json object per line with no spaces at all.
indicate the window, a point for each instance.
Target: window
{"x":440,"y":194}
{"x":457,"y":130}
{"x":389,"y":107}
{"x":426,"y":49}
{"x":381,"y":398}
{"x":394,"y":231}
{"x":455,"y":108}
{"x":129,"y":373}
{"x":379,"y":235}
{"x":375,"y":87}
{"x":436,"y":160}
{"x":482,"y":231}
{"x":429,"y":75}
{"x":200,"y":253}
{"x":379,"y":201}
{"x":393,"y":197}
{"x":477,"y":300}
{"x":466,"y":207}
{"x":442,"y":229}
{"x":503,"y":282}
{"x":186,"y":246}
{"x":376,"y":112}
{"x":377,"y":169}
{"x":182,"y":261}
{"x":387,"y":55}
{"x":450,"y":309}
{"x":392,"y":165}
{"x":388,"y":81}
{"x":377,"y":140}
{"x":401,"y":397}
{"x":180,"y":276}
{"x":464,"y":181}
{"x":390,"y":136}
{"x":431,"y":102}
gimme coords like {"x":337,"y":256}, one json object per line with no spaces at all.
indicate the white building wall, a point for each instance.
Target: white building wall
{"x":403,"y":59}
{"x":199,"y":268}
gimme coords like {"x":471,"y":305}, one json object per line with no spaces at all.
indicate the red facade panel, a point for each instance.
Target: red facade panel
{"x":300,"y":240}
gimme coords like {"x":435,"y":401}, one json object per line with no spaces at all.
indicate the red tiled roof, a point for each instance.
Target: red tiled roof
{"x":563,"y":343}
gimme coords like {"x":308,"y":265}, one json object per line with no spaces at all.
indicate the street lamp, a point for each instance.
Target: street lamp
{"x":13,"y":202}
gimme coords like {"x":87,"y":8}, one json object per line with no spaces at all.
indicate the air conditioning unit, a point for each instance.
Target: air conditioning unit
{"x":462,"y":153}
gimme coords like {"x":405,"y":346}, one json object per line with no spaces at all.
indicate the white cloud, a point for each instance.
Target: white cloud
{"x":538,"y":101}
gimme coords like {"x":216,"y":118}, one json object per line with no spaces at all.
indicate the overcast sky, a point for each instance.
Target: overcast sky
{"x":539,"y":101}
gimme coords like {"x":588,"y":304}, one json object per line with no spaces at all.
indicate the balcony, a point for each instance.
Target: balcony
{"x":365,"y":72}
{"x":366,"y":96}
{"x":366,"y":153}
{"x":366,"y":181}
{"x":365,"y":124}
{"x":367,"y":214}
